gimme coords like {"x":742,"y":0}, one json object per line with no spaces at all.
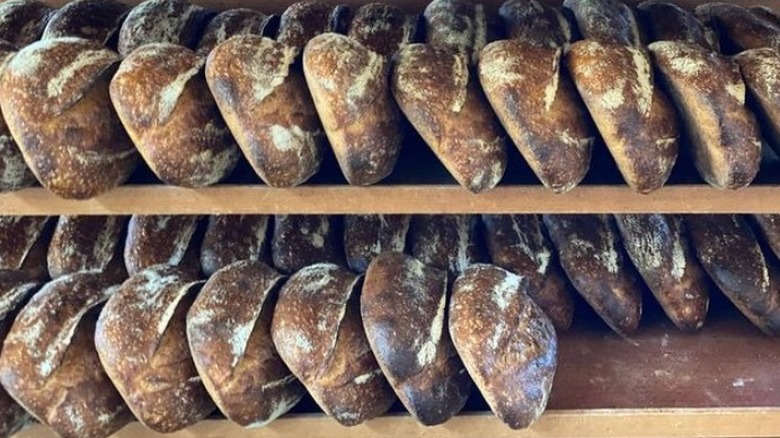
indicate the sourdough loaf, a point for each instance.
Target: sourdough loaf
{"x":403,"y":306}
{"x":532,"y":22}
{"x":663,"y":21}
{"x":318,"y":331}
{"x":168,"y":240}
{"x":24,"y":241}
{"x":768,"y":227}
{"x":88,"y":244}
{"x":367,"y":236}
{"x":229,"y":333}
{"x":739,"y":28}
{"x":382,"y":28}
{"x":14,"y":173}
{"x":506,"y":342}
{"x":458,"y":26}
{"x":306,"y":19}
{"x":22,"y":21}
{"x":231,"y":238}
{"x":447,"y":242}
{"x":153,"y":368}
{"x":590,"y":253}
{"x":162,"y":21}
{"x":605,"y":21}
{"x":230,"y":23}
{"x":300,"y":241}
{"x":518,"y":244}
{"x":760,"y":70}
{"x":96,"y":20}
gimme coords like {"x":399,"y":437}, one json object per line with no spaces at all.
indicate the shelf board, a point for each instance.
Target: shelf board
{"x":402,"y":199}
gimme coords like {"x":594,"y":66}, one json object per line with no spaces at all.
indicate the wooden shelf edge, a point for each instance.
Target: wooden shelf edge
{"x":402,"y":199}
{"x":712,"y":422}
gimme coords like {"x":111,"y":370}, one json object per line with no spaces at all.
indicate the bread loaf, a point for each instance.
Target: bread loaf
{"x":446,"y":106}
{"x":590,"y":253}
{"x":230,"y":23}
{"x":447,"y":242}
{"x":49,"y":363}
{"x":300,"y":241}
{"x":96,"y":20}
{"x":518,"y":244}
{"x":88,"y":244}
{"x":319,"y":334}
{"x":506,"y":342}
{"x":266,"y":104}
{"x":348,"y":83}
{"x":663,"y":21}
{"x":739,"y":28}
{"x":403,"y":306}
{"x":168,"y":240}
{"x":458,"y":26}
{"x":605,"y":21}
{"x":635,"y":118}
{"x":760,"y":70}
{"x":153,"y":369}
{"x":532,"y":22}
{"x":14,"y":173}
{"x":24,"y":241}
{"x":162,"y":21}
{"x":768,"y":227}
{"x":730,"y":253}
{"x":160,"y":89}
{"x":306,"y":19}
{"x":23,"y":21}
{"x":229,"y":239}
{"x":658,"y":247}
{"x":229,"y":333}
{"x":382,"y":28}
{"x":54,"y":97}
{"x":767,"y":14}
{"x":367,"y":236}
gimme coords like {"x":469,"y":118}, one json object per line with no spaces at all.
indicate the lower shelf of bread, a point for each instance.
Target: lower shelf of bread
{"x":395,"y":199}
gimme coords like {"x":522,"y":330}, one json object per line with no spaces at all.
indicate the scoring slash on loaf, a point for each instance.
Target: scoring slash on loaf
{"x":590,"y":254}
{"x":96,"y":20}
{"x":349,"y":86}
{"x":161,"y":96}
{"x":382,"y":28}
{"x":403,"y":306}
{"x":740,"y":28}
{"x":304,"y":20}
{"x":24,"y":242}
{"x":229,"y":333}
{"x":168,"y":240}
{"x":23,"y":21}
{"x":231,"y":238}
{"x":760,"y":70}
{"x":457,"y":26}
{"x":14,"y":173}
{"x":449,"y":242}
{"x":230,"y":23}
{"x":162,"y":21}
{"x":264,"y":100}
{"x":319,"y":334}
{"x":153,"y":368}
{"x":605,"y":21}
{"x":506,"y":342}
{"x":54,"y":96}
{"x":300,"y":241}
{"x":49,"y":363}
{"x":367,"y":236}
{"x":530,"y":21}
{"x":518,"y":244}
{"x":659,"y":249}
{"x":88,"y":244}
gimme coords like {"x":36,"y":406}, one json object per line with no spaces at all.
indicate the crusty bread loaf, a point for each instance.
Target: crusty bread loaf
{"x":231,"y":238}
{"x":230,"y":23}
{"x":635,"y":118}
{"x":88,"y":244}
{"x":162,"y":21}
{"x":24,"y":242}
{"x":506,"y":342}
{"x":97,"y":20}
{"x":348,"y":83}
{"x":367,"y":236}
{"x":168,"y":240}
{"x":664,"y":21}
{"x":153,"y":368}
{"x":738,"y":27}
{"x":300,"y":241}
{"x":760,"y":70}
{"x":590,"y":253}
{"x":605,"y":21}
{"x":14,"y":173}
{"x":265,"y":102}
{"x":533,"y":22}
{"x":730,"y":253}
{"x":458,"y":26}
{"x":404,"y":306}
{"x":518,"y":244}
{"x":659,"y":249}
{"x":49,"y":363}
{"x":448,"y":242}
{"x":306,"y":19}
{"x":54,"y":97}
{"x":23,"y":21}
{"x":383,"y":28}
{"x":161,"y":96}
{"x":229,"y":333}
{"x":319,"y":334}
{"x":710,"y":95}
{"x":434,"y":90}
{"x":768,"y":227}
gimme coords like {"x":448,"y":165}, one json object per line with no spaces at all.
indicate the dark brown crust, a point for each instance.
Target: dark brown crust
{"x":153,"y":369}
{"x":591,"y":255}
{"x":458,"y":26}
{"x":367,"y":236}
{"x":659,"y":249}
{"x":730,"y":253}
{"x":535,"y":23}
{"x":767,"y":14}
{"x":300,"y":241}
{"x":635,"y":118}
{"x":169,"y":240}
{"x":88,"y":244}
{"x":507,"y":343}
{"x":739,"y":28}
{"x":383,"y":28}
{"x":448,"y":242}
{"x":446,"y":106}
{"x":319,"y":333}
{"x":760,"y":70}
{"x":540,"y":109}
{"x":518,"y":244}
{"x":304,"y":20}
{"x":264,"y":100}
{"x":605,"y":21}
{"x":22,"y":21}
{"x":22,"y":239}
{"x":162,"y":21}
{"x":14,"y":173}
{"x":230,"y":23}
{"x":709,"y":93}
{"x":230,"y":238}
{"x":49,"y":363}
{"x":663,"y":21}
{"x":348,"y":83}
{"x":97,"y":20}
{"x":229,"y":333}
{"x":768,"y":227}
{"x":403,"y":306}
